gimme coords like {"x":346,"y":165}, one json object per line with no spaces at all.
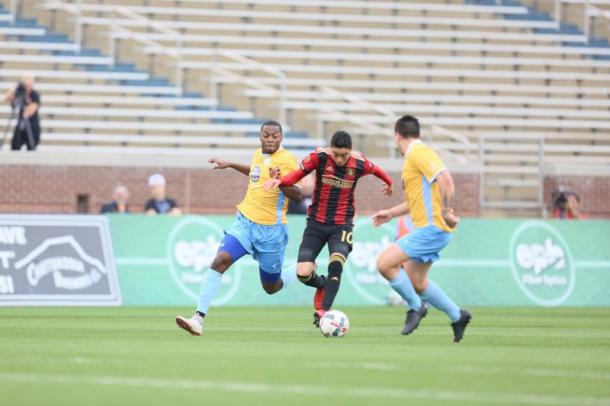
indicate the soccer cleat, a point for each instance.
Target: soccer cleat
{"x":191,"y":325}
{"x":318,"y":297}
{"x":413,"y":319}
{"x":460,"y":326}
{"x":318,"y":314}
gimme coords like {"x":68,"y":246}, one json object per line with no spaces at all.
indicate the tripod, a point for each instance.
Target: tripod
{"x":16,"y":111}
{"x":8,"y":125}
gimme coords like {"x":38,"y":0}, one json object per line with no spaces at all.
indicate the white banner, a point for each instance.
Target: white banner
{"x":57,"y":260}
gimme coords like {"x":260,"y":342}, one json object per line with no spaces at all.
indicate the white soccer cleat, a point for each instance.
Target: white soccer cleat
{"x":191,"y":325}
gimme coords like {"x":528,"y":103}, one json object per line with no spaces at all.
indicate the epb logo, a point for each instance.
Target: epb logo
{"x":542,"y":263}
{"x":191,"y":248}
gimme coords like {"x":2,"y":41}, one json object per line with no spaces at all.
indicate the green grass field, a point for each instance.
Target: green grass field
{"x":273,"y":356}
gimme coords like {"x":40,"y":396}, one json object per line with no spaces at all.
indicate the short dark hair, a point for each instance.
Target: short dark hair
{"x":407,"y":126}
{"x":272,"y":123}
{"x":341,"y":139}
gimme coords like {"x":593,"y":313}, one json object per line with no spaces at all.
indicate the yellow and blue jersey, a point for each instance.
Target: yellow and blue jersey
{"x":262,"y":206}
{"x":421,"y":167}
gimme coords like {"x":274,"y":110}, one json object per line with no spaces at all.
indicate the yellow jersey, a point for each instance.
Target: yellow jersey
{"x":422,"y":192}
{"x":262,"y":206}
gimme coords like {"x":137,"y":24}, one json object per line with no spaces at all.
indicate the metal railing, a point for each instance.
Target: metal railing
{"x":13,"y":10}
{"x":175,"y":53}
{"x":326,"y":113}
{"x":595,"y":12}
{"x":217,"y":72}
{"x":460,"y":141}
{"x":118,"y":32}
{"x":483,"y":156}
{"x":589,"y":12}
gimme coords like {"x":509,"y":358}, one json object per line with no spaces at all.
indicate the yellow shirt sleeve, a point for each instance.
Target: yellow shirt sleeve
{"x":288,"y":164}
{"x":426,"y":161}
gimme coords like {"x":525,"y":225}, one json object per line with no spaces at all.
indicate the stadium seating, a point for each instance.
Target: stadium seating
{"x":498,"y":73}
{"x":91,"y":101}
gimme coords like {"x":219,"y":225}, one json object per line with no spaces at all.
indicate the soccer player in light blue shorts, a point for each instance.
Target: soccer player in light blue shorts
{"x":266,"y":244}
{"x":260,"y":227}
{"x":429,"y":198}
{"x":424,"y":244}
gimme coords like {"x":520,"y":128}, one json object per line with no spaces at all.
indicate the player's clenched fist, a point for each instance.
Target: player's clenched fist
{"x":450,"y":218}
{"x":274,"y":173}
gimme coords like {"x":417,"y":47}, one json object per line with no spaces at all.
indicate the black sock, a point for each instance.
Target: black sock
{"x":200,"y":314}
{"x":335,"y":267}
{"x":313,"y":280}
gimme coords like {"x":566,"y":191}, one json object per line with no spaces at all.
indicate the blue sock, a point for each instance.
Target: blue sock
{"x":288,"y":275}
{"x":437,"y":298}
{"x":404,"y":287}
{"x":209,"y":288}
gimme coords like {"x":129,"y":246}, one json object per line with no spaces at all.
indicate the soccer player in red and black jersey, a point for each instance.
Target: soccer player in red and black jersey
{"x":331,"y":212}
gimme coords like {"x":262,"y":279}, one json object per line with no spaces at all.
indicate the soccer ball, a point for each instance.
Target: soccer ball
{"x":334,"y":323}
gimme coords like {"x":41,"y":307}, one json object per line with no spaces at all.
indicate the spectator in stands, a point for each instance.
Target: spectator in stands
{"x":307,"y":186}
{"x":120,"y":195}
{"x":566,"y":205}
{"x":25,"y":101}
{"x":159,"y":203}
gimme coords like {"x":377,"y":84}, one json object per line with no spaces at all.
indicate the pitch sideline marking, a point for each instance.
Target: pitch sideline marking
{"x":540,"y":372}
{"x":245,"y":387}
{"x":473,"y":369}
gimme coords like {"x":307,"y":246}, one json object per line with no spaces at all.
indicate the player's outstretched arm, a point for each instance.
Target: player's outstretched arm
{"x":286,"y":183}
{"x":387,"y":186}
{"x":218,"y":164}
{"x":292,"y":192}
{"x":287,"y":180}
{"x":445,"y":182}
{"x":383,"y":216}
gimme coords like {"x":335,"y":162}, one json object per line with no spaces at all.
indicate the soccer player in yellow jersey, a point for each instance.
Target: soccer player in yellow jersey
{"x":260,"y":227}
{"x":429,"y":198}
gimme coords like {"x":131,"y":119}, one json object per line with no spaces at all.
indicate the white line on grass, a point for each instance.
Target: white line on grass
{"x":473,"y":369}
{"x":357,"y":365}
{"x":545,"y":373}
{"x":56,"y":360}
{"x":313,"y":390}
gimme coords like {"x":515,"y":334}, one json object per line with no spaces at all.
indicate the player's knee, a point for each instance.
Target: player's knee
{"x":305,"y":269}
{"x":383,"y":265}
{"x":419,"y":285}
{"x":271,"y":281}
{"x":271,"y":289}
{"x":222,"y":262}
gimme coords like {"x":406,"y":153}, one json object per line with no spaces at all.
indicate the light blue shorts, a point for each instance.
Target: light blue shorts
{"x":266,"y":244}
{"x":424,"y":244}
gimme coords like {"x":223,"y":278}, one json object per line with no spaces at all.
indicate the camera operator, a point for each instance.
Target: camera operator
{"x":25,"y":102}
{"x":566,"y":205}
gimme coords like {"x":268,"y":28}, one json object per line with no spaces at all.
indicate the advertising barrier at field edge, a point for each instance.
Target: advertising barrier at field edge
{"x":57,"y":260}
{"x":162,"y":261}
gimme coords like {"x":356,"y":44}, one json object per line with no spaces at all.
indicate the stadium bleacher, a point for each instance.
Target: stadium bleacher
{"x":160,"y":74}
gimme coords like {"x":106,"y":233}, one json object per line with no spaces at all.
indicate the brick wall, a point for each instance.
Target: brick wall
{"x":54,"y":189}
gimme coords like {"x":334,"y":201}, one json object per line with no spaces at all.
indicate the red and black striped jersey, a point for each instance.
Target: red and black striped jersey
{"x":333,"y":197}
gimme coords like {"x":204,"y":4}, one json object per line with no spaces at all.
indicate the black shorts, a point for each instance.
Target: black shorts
{"x":316,"y":235}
